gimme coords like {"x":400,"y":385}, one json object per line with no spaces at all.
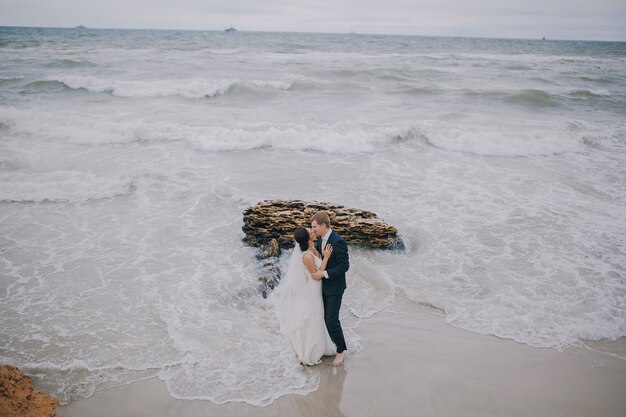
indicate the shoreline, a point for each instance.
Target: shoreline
{"x":413,"y":363}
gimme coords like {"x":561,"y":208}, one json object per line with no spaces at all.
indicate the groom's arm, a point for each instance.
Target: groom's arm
{"x":342,"y":263}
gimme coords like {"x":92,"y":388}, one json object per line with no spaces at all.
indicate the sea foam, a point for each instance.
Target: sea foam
{"x":69,"y":186}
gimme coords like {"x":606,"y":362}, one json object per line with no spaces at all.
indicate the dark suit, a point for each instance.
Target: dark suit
{"x":334,"y":286}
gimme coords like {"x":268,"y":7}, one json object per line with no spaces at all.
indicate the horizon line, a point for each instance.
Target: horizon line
{"x":82,"y":27}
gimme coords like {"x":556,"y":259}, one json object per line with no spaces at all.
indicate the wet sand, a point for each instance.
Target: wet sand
{"x":414,"y":364}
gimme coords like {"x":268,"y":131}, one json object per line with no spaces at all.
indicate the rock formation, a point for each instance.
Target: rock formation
{"x":18,"y":398}
{"x":277,"y":219}
{"x":269,"y":225}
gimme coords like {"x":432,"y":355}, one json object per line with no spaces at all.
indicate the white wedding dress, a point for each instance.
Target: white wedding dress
{"x":300,"y":310}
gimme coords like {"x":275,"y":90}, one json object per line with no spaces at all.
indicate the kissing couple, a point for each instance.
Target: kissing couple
{"x":308,"y":297}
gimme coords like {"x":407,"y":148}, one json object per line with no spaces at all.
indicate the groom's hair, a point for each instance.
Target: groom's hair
{"x":301,"y":236}
{"x":321,"y":217}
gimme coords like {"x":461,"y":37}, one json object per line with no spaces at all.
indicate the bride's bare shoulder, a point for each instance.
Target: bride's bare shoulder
{"x":308,"y":261}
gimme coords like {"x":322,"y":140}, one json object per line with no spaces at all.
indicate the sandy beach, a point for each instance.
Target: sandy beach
{"x":413,"y":363}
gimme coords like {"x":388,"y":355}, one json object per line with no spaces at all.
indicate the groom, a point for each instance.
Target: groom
{"x":333,"y":278}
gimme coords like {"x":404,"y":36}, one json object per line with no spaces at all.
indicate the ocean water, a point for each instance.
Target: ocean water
{"x":127,"y":158}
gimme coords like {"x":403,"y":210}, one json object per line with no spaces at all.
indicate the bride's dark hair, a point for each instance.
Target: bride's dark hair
{"x":301,"y":236}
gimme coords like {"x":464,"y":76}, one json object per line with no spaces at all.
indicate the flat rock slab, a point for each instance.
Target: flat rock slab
{"x":277,"y":219}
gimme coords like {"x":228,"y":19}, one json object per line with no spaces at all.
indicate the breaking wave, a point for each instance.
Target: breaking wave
{"x":195,"y":88}
{"x":532,"y":139}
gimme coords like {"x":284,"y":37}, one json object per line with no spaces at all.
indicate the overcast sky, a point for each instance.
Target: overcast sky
{"x":556,"y":19}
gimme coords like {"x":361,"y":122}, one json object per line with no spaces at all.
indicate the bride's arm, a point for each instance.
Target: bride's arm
{"x":309,"y":262}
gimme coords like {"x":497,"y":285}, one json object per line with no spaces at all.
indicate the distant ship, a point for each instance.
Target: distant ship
{"x":230,"y":29}
{"x":80,"y":27}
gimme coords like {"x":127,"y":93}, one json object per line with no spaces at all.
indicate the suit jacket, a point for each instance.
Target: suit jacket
{"x":337,"y":265}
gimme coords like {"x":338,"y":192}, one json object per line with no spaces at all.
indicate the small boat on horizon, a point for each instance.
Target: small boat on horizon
{"x":230,"y":29}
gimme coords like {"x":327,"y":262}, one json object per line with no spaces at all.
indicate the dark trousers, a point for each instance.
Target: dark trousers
{"x":332,"y":304}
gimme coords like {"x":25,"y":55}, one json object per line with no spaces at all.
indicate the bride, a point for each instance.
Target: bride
{"x":299,"y":302}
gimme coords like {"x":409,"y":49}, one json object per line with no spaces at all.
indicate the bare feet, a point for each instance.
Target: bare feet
{"x":338,"y":359}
